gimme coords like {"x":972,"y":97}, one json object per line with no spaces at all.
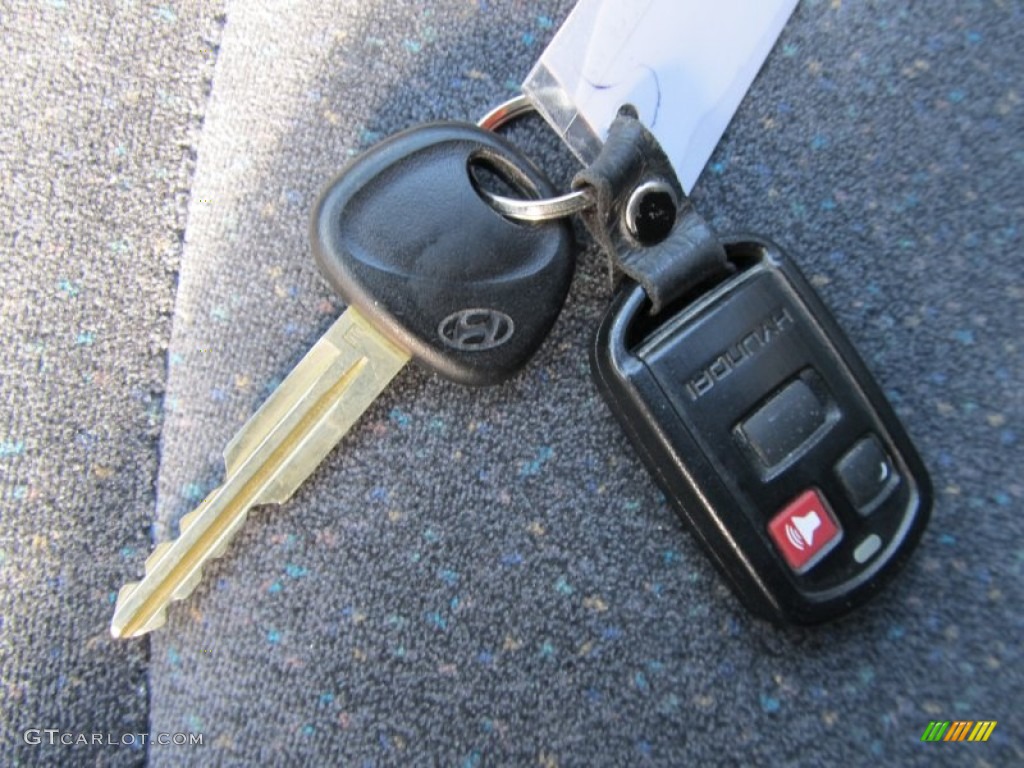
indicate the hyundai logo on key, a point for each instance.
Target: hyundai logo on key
{"x":474,"y":330}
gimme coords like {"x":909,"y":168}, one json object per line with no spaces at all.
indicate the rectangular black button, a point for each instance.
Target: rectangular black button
{"x":784,"y":423}
{"x":867,"y":474}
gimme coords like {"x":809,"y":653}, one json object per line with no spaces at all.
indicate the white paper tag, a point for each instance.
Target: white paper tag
{"x":684,"y":64}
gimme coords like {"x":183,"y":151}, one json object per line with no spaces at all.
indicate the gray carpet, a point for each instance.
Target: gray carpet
{"x":479,"y":577}
{"x":101,"y":116}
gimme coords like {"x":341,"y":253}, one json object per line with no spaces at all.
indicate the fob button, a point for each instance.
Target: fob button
{"x":804,"y":531}
{"x":784,"y":423}
{"x":867,"y":474}
{"x":867,"y":548}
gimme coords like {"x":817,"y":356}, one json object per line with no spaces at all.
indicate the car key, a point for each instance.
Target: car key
{"x":429,"y":271}
{"x":756,"y":416}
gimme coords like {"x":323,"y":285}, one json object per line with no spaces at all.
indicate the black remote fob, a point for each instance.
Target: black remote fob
{"x":756,"y":416}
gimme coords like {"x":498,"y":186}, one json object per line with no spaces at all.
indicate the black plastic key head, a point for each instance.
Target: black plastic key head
{"x":403,"y":235}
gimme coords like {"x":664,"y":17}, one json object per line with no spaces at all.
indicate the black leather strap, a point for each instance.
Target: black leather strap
{"x":689,"y":256}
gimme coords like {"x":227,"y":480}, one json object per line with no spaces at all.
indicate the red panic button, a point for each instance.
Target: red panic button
{"x":804,"y":531}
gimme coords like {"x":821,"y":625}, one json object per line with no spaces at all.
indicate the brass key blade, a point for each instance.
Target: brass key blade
{"x":268,"y":459}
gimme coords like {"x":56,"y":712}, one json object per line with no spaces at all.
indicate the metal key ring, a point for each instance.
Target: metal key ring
{"x":534,"y":211}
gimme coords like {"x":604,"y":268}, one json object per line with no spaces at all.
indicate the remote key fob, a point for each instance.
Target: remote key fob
{"x":756,"y":416}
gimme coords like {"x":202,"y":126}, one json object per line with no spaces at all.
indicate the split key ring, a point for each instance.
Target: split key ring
{"x":533,"y":211}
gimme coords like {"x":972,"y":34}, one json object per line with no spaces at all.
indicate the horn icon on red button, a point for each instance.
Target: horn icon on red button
{"x":804,"y":531}
{"x":800,"y":530}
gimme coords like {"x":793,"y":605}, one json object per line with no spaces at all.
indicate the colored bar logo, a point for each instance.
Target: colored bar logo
{"x":958,"y":730}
